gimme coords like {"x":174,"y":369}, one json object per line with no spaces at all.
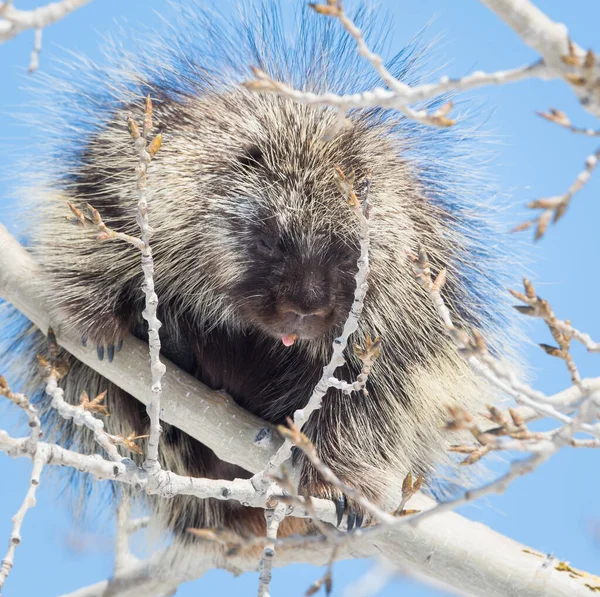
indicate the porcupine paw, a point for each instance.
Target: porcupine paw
{"x":107,"y":336}
{"x":343,"y":505}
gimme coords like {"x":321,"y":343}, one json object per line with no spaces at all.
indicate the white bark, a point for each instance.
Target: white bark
{"x":14,"y":21}
{"x":337,"y":360}
{"x":464,"y":555}
{"x":31,"y":444}
{"x":145,"y":153}
{"x":551,"y":40}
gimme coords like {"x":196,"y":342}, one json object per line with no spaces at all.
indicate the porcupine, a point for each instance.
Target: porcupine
{"x":253,"y":243}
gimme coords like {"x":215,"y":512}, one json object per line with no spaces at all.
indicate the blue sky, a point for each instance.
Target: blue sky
{"x":556,"y":509}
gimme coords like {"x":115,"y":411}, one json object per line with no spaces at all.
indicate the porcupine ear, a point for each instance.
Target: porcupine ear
{"x":251,"y":156}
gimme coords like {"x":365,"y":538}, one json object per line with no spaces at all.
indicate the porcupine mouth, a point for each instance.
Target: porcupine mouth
{"x":305,"y":327}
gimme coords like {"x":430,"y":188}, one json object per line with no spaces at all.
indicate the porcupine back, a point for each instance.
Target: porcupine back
{"x":229,"y":157}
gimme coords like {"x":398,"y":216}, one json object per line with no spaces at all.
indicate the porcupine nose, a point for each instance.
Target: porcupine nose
{"x":304,"y":309}
{"x":301,"y":312}
{"x":308,"y":298}
{"x":296,"y":318}
{"x":305,"y":305}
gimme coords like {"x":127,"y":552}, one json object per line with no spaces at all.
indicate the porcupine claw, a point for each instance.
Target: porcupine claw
{"x":355,"y":515}
{"x":340,"y":506}
{"x":108,"y":349}
{"x":351,"y":519}
{"x":359,"y":519}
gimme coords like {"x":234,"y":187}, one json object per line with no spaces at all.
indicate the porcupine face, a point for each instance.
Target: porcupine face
{"x":291,"y":288}
{"x":300,"y":247}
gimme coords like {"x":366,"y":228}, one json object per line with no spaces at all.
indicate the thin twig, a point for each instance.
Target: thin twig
{"x":147,"y":150}
{"x":301,"y":441}
{"x":273,"y":519}
{"x":554,"y":208}
{"x":17,"y":519}
{"x":14,"y":21}
{"x":32,"y":443}
{"x":560,"y":118}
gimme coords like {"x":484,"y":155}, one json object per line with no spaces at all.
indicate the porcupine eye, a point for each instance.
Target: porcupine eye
{"x":347,"y":257}
{"x":251,"y":157}
{"x":266,"y":246}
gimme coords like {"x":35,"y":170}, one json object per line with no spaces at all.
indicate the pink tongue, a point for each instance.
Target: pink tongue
{"x":288,"y":339}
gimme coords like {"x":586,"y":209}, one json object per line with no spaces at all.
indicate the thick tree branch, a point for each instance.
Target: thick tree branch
{"x":210,"y":417}
{"x":460,"y":553}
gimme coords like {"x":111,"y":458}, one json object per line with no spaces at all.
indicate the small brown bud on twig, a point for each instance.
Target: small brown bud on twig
{"x":516,"y":418}
{"x":345,"y":185}
{"x":147,"y":117}
{"x":79,"y":217}
{"x":439,"y":117}
{"x":128,"y":442}
{"x":553,"y":351}
{"x":408,"y":490}
{"x":556,"y":116}
{"x":331,"y":9}
{"x":480,"y":344}
{"x":134,"y":129}
{"x":572,"y":59}
{"x":48,"y":368}
{"x":371,"y":350}
{"x":94,"y":215}
{"x":439,"y":282}
{"x":94,"y":405}
{"x":524,"y":310}
{"x":576,"y":80}
{"x":475,"y":456}
{"x":496,"y":415}
{"x":529,"y":291}
{"x":523,"y":226}
{"x":155,"y":145}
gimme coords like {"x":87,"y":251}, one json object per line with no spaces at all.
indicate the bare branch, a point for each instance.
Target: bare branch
{"x":273,"y":518}
{"x":554,"y":208}
{"x":17,"y":519}
{"x":147,"y":150}
{"x":403,"y":95}
{"x":124,"y":559}
{"x":474,"y":351}
{"x":462,"y":563}
{"x":560,"y":118}
{"x":38,"y":464}
{"x":14,"y":21}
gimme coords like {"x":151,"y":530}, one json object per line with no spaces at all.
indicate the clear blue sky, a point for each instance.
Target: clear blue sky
{"x":554,"y":510}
